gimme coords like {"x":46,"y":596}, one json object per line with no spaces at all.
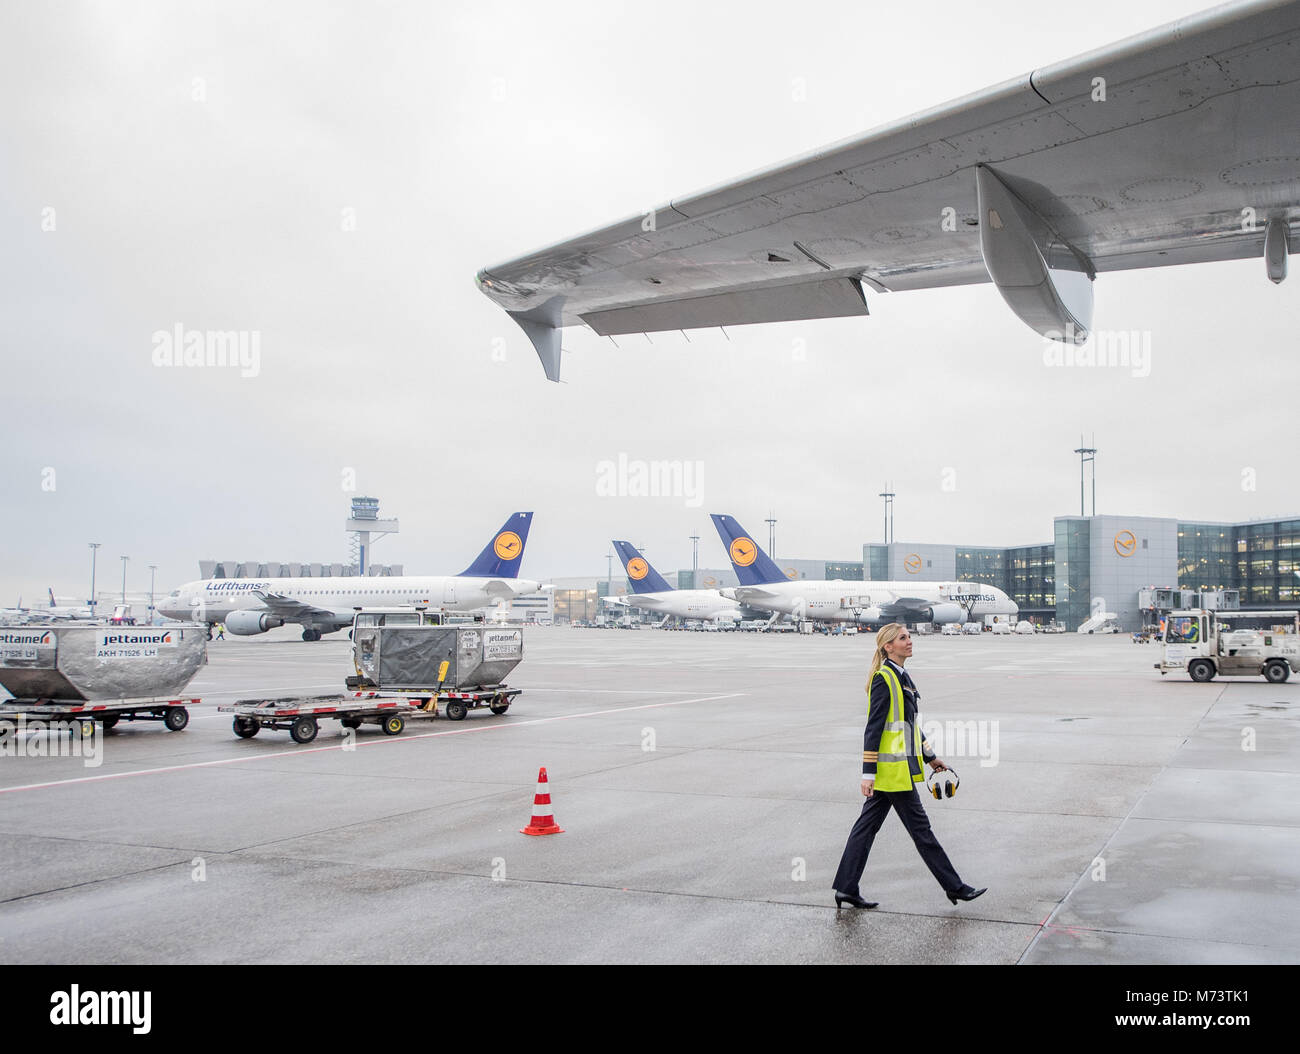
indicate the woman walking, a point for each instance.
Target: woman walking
{"x":892,"y":749}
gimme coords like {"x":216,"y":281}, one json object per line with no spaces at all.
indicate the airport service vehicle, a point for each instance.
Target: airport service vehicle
{"x":1135,"y":155}
{"x":1231,"y":644}
{"x":301,"y":715}
{"x":409,"y":664}
{"x":1001,"y":628}
{"x":1025,"y":627}
{"x":1099,"y":622}
{"x":325,"y":605}
{"x":98,"y":672}
{"x":766,"y":587}
{"x":972,"y":629}
{"x":950,"y":629}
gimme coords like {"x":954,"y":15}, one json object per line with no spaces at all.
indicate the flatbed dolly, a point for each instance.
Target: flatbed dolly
{"x":301,"y":715}
{"x":457,"y":703}
{"x":173,"y":713}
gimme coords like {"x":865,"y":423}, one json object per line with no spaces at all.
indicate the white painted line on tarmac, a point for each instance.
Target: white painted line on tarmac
{"x":359,"y":745}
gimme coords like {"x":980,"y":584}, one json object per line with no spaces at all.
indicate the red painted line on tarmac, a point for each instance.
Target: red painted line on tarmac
{"x":387,"y":741}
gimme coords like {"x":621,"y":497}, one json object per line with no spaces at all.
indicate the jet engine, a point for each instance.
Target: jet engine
{"x":248,"y":623}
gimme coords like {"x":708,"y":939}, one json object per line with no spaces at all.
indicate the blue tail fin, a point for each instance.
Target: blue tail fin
{"x":501,"y":556}
{"x":640,"y":575}
{"x":753,"y":566}
{"x":50,"y":590}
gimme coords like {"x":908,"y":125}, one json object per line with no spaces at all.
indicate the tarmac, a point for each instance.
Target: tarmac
{"x":706,"y":783}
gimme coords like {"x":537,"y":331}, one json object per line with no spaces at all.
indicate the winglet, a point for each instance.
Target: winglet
{"x":542,"y":326}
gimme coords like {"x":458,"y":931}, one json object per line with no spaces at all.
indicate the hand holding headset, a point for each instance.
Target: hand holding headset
{"x":947,"y":788}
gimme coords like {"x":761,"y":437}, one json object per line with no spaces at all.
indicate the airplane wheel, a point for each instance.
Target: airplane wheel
{"x":209,"y":633}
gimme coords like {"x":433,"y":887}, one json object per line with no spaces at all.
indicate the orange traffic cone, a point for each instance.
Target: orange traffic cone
{"x":543,"y":822}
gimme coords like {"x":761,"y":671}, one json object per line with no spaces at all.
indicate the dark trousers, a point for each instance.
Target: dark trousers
{"x":910,"y":810}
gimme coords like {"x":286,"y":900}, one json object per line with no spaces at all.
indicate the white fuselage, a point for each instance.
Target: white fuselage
{"x":214,"y":599}
{"x":685,"y":603}
{"x":840,"y":601}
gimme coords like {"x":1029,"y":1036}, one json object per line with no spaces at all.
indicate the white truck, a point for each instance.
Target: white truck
{"x":1231,"y":643}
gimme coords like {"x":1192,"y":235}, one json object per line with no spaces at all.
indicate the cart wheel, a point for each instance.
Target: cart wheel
{"x":303,"y":730}
{"x":247,"y":727}
{"x":499,"y":708}
{"x":1276,"y":672}
{"x":393,"y":724}
{"x":113,"y":719}
{"x":456,"y":710}
{"x":350,"y":722}
{"x":1201,"y":670}
{"x":85,"y":728}
{"x":176,"y":718}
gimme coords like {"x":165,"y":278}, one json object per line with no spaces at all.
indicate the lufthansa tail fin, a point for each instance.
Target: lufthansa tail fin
{"x":753,"y":566}
{"x":501,"y":556}
{"x":640,"y":575}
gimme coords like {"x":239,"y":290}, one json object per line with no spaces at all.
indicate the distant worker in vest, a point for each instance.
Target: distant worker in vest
{"x":221,"y":631}
{"x":892,"y":750}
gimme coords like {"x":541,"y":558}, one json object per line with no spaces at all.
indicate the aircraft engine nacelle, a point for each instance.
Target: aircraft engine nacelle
{"x":941,"y":613}
{"x":249,"y":623}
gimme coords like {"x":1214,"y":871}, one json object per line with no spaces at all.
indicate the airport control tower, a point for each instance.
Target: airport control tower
{"x":363,"y":525}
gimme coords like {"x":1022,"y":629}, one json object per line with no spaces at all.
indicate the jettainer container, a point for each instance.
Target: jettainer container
{"x":396,"y":657}
{"x":99,"y":662}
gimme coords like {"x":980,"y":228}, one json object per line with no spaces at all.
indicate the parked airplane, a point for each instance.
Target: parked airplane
{"x":763,"y":585}
{"x":651,"y":593}
{"x":1170,"y":147}
{"x":53,"y":611}
{"x":323,"y":605}
{"x":62,"y":611}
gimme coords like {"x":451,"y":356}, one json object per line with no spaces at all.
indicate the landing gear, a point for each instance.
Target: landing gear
{"x":310,"y":634}
{"x":209,"y":632}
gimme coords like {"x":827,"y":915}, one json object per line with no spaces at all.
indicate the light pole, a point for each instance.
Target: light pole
{"x":695,"y":561}
{"x":771,"y":535}
{"x":94,"y":552}
{"x":153,"y":569}
{"x":124,"y":560}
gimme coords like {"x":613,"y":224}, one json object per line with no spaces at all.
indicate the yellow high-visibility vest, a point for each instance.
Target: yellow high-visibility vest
{"x":895,"y":769}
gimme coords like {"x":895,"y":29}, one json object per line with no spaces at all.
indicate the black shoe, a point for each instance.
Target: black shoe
{"x":857,"y":902}
{"x":966,"y":893}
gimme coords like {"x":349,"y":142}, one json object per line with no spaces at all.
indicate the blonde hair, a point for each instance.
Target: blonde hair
{"x":887,"y":635}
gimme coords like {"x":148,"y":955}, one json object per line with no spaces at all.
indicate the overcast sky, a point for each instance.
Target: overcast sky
{"x":200,"y":165}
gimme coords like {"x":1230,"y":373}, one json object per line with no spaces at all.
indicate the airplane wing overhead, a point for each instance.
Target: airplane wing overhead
{"x":1175,"y":146}
{"x":287,"y":607}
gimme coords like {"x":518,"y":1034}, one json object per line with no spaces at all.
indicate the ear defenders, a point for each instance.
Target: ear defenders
{"x":945,"y":789}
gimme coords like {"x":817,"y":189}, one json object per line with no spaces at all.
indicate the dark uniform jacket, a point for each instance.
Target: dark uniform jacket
{"x":879,"y":712}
